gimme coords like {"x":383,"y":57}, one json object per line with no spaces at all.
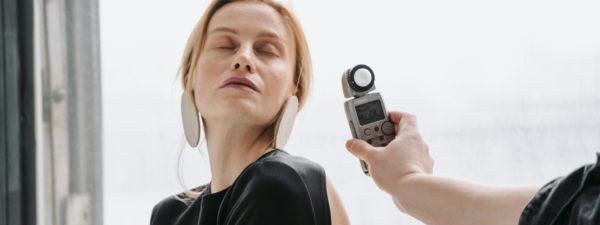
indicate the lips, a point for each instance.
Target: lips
{"x":240,"y":81}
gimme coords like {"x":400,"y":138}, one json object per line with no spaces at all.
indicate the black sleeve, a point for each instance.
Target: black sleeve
{"x":573,"y":199}
{"x":272,"y":192}
{"x":166,"y":211}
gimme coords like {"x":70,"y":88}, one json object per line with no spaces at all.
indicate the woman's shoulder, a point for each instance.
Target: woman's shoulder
{"x":283,"y":159}
{"x":280,"y":187}
{"x":169,"y":209}
{"x":279,"y":166}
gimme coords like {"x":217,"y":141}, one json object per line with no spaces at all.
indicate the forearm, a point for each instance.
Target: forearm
{"x":437,"y":200}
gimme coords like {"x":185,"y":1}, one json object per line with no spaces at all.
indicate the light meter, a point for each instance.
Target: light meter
{"x":365,"y":110}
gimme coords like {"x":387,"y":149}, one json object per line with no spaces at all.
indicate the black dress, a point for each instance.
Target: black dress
{"x":278,"y":188}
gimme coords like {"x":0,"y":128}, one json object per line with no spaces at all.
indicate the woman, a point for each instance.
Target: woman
{"x":246,"y":71}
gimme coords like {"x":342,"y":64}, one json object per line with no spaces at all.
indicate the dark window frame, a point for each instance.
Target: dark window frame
{"x":17,"y":124}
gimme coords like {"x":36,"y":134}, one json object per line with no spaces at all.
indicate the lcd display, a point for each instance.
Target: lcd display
{"x":370,"y":112}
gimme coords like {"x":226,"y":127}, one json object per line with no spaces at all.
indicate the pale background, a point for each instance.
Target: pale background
{"x":506,"y":93}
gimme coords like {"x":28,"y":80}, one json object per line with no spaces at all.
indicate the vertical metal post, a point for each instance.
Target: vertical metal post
{"x":70,"y":82}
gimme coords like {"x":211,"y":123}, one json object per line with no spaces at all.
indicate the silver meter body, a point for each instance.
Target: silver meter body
{"x":365,"y":111}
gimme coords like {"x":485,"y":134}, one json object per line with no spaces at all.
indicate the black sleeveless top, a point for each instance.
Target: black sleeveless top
{"x":278,"y":188}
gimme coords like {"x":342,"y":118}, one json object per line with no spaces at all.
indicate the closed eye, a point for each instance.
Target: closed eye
{"x":268,"y":53}
{"x":221,"y":42}
{"x":269,"y":50}
{"x":225,"y":47}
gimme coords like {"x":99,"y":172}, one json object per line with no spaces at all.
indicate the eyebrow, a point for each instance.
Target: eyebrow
{"x":223,"y":29}
{"x":268,"y":34}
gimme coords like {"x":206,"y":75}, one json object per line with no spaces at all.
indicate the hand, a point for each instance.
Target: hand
{"x":406,"y":155}
{"x":403,"y":168}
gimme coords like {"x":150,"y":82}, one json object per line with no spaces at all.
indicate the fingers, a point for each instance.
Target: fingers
{"x":404,"y":121}
{"x":395,"y":116}
{"x":360,"y":149}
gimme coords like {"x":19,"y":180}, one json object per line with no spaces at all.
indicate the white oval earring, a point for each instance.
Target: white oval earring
{"x":285,"y":123}
{"x":190,"y":118}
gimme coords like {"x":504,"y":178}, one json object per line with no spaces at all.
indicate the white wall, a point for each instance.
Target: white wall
{"x":506,"y":93}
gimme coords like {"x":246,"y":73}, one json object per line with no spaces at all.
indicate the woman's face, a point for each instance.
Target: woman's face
{"x":245,"y":70}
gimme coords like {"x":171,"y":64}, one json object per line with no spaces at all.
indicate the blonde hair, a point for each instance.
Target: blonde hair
{"x":302,"y":70}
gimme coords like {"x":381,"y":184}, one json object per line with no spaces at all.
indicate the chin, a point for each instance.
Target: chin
{"x":242,"y":110}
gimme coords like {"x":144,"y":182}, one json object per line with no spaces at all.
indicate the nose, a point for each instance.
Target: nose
{"x":237,"y":66}
{"x":243,"y":61}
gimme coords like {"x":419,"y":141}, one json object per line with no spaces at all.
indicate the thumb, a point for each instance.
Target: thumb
{"x":360,"y":149}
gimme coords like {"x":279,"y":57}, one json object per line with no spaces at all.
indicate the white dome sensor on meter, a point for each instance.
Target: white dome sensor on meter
{"x":358,"y":81}
{"x":363,"y":77}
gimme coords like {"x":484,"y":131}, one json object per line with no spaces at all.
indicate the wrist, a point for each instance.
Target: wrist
{"x":400,"y":181}
{"x":402,"y":190}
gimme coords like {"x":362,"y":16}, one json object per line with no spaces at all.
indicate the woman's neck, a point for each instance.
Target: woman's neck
{"x":231,"y":148}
